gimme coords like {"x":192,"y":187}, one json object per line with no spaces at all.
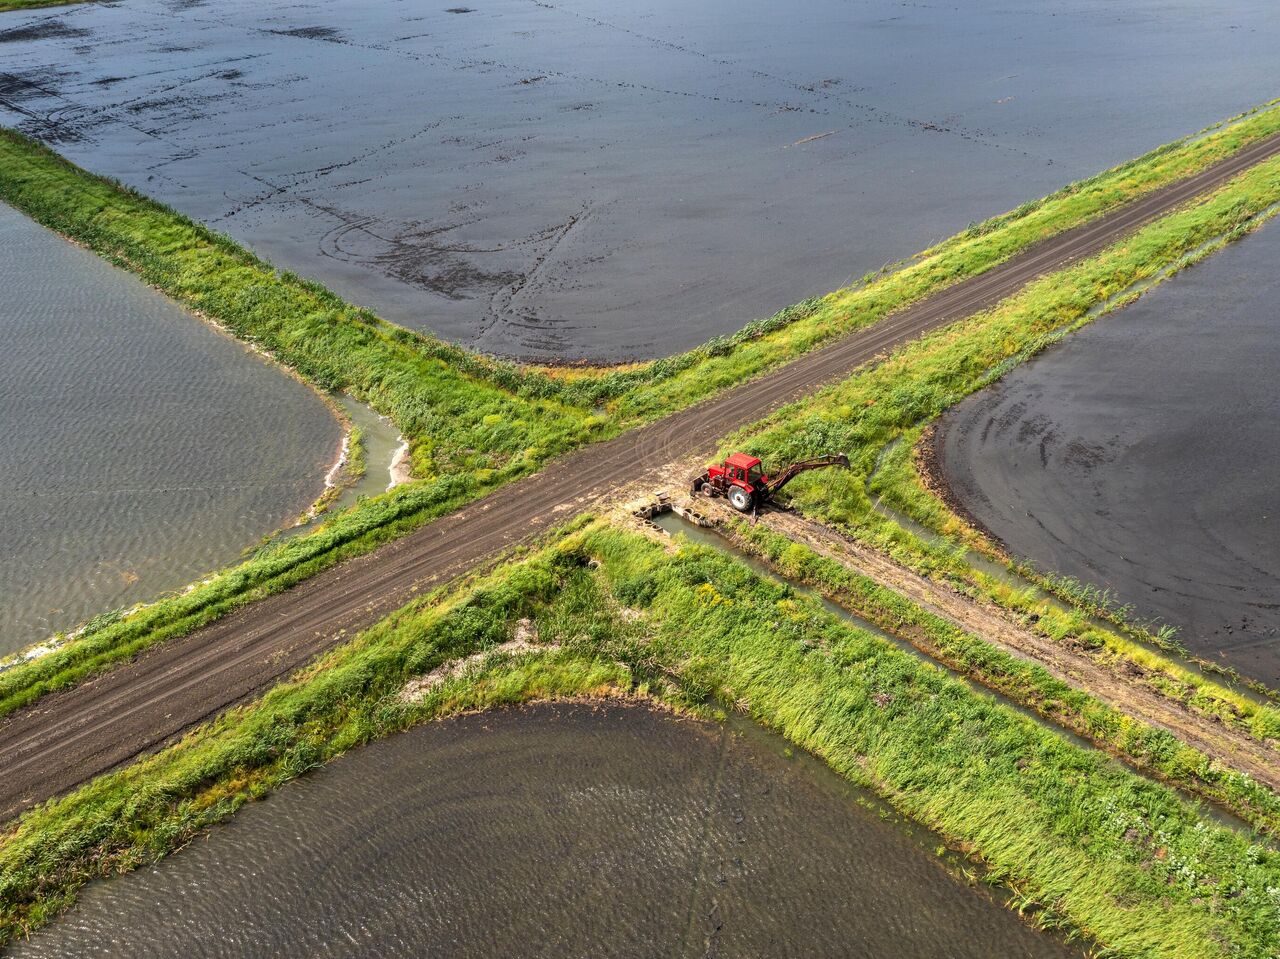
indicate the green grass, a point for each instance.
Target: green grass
{"x":1089,"y":622}
{"x":8,"y":5}
{"x":357,"y":458}
{"x":1124,"y":860}
{"x":892,"y":401}
{"x":470,"y":431}
{"x":1155,"y":751}
{"x":1084,"y":844}
{"x":473,"y":423}
{"x":897,"y":482}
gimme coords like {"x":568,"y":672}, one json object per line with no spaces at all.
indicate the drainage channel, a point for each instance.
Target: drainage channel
{"x":672,"y":523}
{"x":382,"y":440}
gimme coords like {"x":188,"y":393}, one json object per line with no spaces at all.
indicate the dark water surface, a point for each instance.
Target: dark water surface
{"x":553,"y":831}
{"x":140,"y":448}
{"x":1142,"y":454}
{"x":589,"y":178}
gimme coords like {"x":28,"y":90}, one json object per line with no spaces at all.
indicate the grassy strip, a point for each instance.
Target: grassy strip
{"x":880,"y":404}
{"x":1120,"y":858}
{"x":142,"y":812}
{"x":468,"y":433}
{"x":1030,"y":684}
{"x":1093,"y":846}
{"x":898,"y":483}
{"x":357,"y":463}
{"x":472,"y":423}
{"x":667,"y":384}
{"x":8,"y":5}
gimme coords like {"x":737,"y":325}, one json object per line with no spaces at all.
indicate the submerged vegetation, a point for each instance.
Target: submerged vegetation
{"x":1085,"y":845}
{"x":472,"y":423}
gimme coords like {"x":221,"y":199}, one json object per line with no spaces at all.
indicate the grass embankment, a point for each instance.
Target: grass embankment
{"x":8,"y":5}
{"x":472,"y":423}
{"x":882,"y":404}
{"x":899,"y":484}
{"x":1148,"y":748}
{"x":1084,"y":843}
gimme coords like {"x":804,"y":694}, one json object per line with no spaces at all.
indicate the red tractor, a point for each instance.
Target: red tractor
{"x":746,"y":485}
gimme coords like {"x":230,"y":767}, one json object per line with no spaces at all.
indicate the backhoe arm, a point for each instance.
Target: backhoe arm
{"x":795,"y":469}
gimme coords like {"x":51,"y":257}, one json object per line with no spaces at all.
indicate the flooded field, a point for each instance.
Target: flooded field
{"x":584,"y":178}
{"x":1141,"y":454}
{"x":141,"y":448}
{"x":554,"y":831}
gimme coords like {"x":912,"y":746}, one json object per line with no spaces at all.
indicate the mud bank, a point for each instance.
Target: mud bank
{"x":568,"y":180}
{"x":1141,"y":453}
{"x":135,"y":455}
{"x":554,"y":830}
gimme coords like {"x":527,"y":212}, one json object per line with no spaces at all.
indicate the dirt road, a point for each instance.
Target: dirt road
{"x":1087,"y":670}
{"x":71,"y":736}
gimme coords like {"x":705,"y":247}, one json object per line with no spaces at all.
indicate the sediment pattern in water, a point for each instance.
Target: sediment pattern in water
{"x":141,"y":448}
{"x":1141,"y":455}
{"x":553,"y":831}
{"x":588,"y":178}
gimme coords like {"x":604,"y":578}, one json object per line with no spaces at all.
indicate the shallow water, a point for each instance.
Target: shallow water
{"x":554,"y":831}
{"x":141,"y":448}
{"x":1141,"y":454}
{"x":586,"y":178}
{"x":381,"y":440}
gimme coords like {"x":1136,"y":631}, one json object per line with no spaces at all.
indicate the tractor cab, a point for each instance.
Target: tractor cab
{"x":742,"y":470}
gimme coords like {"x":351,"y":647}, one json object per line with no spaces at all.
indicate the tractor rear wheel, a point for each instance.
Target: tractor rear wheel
{"x":740,"y":499}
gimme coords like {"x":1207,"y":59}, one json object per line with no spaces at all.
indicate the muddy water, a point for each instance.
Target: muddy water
{"x":1141,"y":454}
{"x":140,"y":448}
{"x":554,"y":831}
{"x":587,"y":178}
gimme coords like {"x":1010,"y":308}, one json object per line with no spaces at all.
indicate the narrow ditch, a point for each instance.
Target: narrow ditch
{"x":382,"y":442}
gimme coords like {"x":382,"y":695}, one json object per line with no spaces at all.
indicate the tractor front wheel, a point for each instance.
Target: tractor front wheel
{"x":740,"y":499}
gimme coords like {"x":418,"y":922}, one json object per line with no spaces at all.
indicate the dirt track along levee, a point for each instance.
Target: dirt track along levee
{"x":70,"y":736}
